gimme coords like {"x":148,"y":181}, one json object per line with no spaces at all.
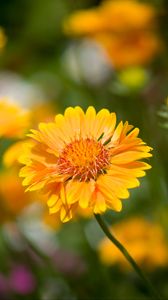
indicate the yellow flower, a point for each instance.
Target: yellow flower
{"x":143,"y":239}
{"x":77,"y":25}
{"x":81,"y":159}
{"x":130,"y":49}
{"x":13,"y":120}
{"x":127,"y":15}
{"x":115,"y":16}
{"x":124,"y":28}
{"x":3,"y":38}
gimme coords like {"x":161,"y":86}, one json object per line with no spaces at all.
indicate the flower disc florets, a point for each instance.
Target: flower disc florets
{"x":83,"y":159}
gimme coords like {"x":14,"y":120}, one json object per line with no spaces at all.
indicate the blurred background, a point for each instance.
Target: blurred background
{"x":110,"y":54}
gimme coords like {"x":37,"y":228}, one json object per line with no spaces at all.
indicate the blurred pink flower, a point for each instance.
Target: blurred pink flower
{"x":69,"y":263}
{"x":21,"y":280}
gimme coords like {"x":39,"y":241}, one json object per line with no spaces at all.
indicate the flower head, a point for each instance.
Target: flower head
{"x":84,"y":160}
{"x":145,"y":240}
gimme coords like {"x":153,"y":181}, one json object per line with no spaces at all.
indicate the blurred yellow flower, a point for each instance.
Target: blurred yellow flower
{"x":13,"y":199}
{"x":10,"y":157}
{"x":39,"y":113}
{"x":134,"y":77}
{"x":13,"y":120}
{"x":12,"y":203}
{"x":42,"y":113}
{"x":116,"y":16}
{"x":131,"y":49}
{"x":143,"y":239}
{"x":84,"y":160}
{"x":84,"y":22}
{"x":126,"y":29}
{"x":3,"y":38}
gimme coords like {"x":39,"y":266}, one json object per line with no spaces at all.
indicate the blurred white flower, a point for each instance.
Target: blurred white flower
{"x":19,"y":90}
{"x":86,"y":61}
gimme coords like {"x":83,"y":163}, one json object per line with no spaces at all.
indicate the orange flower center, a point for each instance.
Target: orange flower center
{"x":83,"y":159}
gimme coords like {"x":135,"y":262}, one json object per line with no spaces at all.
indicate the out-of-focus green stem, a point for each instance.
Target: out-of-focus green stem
{"x":146,"y":281}
{"x":45,"y":258}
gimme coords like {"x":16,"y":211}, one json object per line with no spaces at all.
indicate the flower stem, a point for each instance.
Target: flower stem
{"x":122,"y":249}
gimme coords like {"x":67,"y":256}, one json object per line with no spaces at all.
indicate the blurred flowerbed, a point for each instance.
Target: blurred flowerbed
{"x":108,"y":54}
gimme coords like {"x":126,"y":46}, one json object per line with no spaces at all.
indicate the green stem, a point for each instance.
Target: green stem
{"x":146,"y":281}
